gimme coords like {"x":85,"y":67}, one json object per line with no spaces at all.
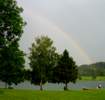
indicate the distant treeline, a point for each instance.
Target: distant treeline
{"x":94,"y":70}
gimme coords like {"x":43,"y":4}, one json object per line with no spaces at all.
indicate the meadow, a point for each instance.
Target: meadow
{"x":12,"y":94}
{"x":89,"y":78}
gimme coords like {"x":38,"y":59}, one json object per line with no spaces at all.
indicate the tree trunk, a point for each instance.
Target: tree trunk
{"x":65,"y":87}
{"x":41,"y":88}
{"x":6,"y":85}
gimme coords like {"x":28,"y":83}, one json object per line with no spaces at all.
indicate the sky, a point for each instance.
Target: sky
{"x":75,"y":25}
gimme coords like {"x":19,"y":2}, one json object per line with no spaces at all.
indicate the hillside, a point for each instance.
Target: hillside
{"x":95,"y":69}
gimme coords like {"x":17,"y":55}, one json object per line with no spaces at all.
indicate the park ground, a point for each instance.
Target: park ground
{"x":12,"y":94}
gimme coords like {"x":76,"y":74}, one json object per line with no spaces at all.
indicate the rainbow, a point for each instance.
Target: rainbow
{"x":54,"y":29}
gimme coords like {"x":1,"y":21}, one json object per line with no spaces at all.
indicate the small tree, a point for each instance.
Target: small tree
{"x":42,"y":59}
{"x":11,"y":64}
{"x":66,"y":70}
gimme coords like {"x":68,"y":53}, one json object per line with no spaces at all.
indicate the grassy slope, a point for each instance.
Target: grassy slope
{"x":52,"y":95}
{"x":89,"y":78}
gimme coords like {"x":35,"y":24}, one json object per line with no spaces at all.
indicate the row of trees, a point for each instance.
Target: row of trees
{"x":46,"y":65}
{"x":93,"y":70}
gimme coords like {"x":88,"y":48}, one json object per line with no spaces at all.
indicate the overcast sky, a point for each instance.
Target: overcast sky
{"x":77,"y":25}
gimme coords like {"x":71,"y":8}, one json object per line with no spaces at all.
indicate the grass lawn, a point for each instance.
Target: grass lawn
{"x":6,"y":94}
{"x":89,"y":78}
{"x":100,"y":78}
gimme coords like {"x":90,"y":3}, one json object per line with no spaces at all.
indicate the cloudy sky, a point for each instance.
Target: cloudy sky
{"x":77,"y":25}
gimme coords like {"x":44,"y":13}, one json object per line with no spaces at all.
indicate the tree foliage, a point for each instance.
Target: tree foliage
{"x":11,"y":22}
{"x":66,"y":70}
{"x":11,"y":64}
{"x":11,"y":29}
{"x":42,"y":59}
{"x":93,"y":70}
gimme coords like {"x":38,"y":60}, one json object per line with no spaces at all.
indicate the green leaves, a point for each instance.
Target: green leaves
{"x":47,"y":65}
{"x":11,"y":28}
{"x":66,"y":69}
{"x":11,"y":64}
{"x":11,"y":22}
{"x":43,"y":58}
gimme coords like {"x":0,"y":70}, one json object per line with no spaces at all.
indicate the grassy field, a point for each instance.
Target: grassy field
{"x":6,"y":94}
{"x":89,"y":78}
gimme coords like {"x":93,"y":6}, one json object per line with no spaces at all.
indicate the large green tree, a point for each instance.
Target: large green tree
{"x":42,"y":59}
{"x":66,"y":70}
{"x":11,"y":22}
{"x":11,"y":64}
{"x":11,"y":29}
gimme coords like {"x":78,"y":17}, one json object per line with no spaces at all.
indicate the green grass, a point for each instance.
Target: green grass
{"x":6,"y":94}
{"x":86,"y":78}
{"x":89,"y":78}
{"x":100,"y":78}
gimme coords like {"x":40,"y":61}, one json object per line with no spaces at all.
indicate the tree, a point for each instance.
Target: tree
{"x":66,"y":70}
{"x":11,"y":22}
{"x":11,"y":64}
{"x":11,"y":29}
{"x":27,"y":74}
{"x":42,"y":60}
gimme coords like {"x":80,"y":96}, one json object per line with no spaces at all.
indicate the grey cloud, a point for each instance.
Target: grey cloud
{"x":83,"y":19}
